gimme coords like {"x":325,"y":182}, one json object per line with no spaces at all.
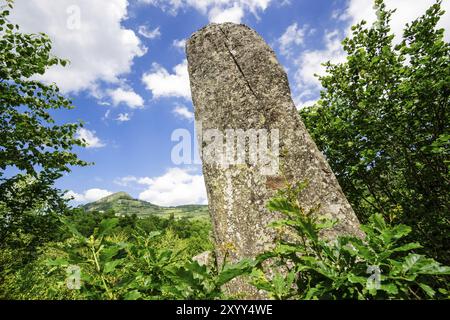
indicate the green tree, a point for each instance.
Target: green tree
{"x":34,"y":150}
{"x":383,"y":123}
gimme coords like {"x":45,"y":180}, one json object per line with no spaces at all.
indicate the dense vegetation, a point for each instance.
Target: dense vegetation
{"x":123,"y":203}
{"x":120,"y":257}
{"x":382,"y":122}
{"x":35,"y":151}
{"x":382,"y":265}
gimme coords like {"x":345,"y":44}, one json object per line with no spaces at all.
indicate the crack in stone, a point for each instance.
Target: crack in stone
{"x":237,"y":64}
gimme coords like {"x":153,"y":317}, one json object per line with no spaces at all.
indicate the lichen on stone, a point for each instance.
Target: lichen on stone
{"x":238,"y":83}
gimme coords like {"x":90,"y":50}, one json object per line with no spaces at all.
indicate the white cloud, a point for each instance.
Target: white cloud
{"x":310,"y":62}
{"x":164,"y":84}
{"x":407,"y":11}
{"x":125,"y":181}
{"x":175,"y":187}
{"x":106,"y":115}
{"x":216,"y":10}
{"x":205,"y":5}
{"x":172,"y":6}
{"x":300,"y":103}
{"x":128,"y":97}
{"x":90,"y":138}
{"x":232,"y":14}
{"x":122,"y":117}
{"x":89,"y":195}
{"x":292,"y":36}
{"x":144,"y":180}
{"x":283,"y":3}
{"x":179,"y":43}
{"x":99,"y":47}
{"x":149,"y":34}
{"x":132,"y":181}
{"x":183,"y":112}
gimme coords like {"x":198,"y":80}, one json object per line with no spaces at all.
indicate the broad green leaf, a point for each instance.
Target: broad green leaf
{"x":57,"y":262}
{"x":390,"y":288}
{"x":107,"y":225}
{"x":427,"y":289}
{"x":132,"y":295}
{"x":111,"y":265}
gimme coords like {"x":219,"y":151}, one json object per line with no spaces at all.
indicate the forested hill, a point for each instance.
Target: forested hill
{"x":124,"y":204}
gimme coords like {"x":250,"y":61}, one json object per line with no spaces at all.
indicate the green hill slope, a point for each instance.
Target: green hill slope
{"x":124,"y":204}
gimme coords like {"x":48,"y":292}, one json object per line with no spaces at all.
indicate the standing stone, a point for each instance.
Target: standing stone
{"x":237,"y":83}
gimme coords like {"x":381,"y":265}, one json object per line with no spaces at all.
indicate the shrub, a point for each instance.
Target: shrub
{"x":379,"y":266}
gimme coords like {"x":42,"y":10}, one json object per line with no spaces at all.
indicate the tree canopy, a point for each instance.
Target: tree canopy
{"x":34,"y":149}
{"x":383,"y":124}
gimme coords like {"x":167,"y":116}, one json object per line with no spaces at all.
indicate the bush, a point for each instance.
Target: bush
{"x":379,"y":266}
{"x":145,"y":265}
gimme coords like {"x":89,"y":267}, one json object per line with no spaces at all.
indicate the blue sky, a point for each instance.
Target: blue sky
{"x":129,"y":82}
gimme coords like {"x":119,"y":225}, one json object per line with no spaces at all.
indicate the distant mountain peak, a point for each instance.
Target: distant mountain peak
{"x":124,"y":204}
{"x":116,"y":196}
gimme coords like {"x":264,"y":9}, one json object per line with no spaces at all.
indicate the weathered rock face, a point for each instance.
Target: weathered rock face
{"x":237,"y":83}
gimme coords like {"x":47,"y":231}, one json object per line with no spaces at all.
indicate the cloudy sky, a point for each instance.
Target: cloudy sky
{"x":129,"y":82}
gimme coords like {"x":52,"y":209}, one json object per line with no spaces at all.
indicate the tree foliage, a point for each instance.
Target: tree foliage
{"x":383,"y":123}
{"x":34,"y":149}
